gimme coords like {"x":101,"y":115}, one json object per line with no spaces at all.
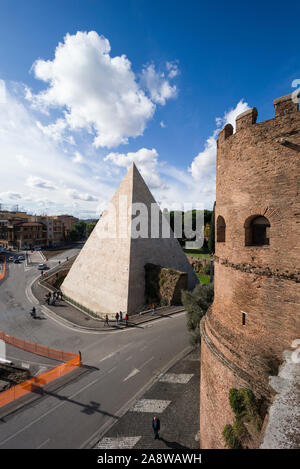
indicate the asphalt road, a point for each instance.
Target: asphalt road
{"x":120,"y":367}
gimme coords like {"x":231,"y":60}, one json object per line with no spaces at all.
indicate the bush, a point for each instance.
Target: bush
{"x":231,"y":441}
{"x":236,"y":400}
{"x":196,"y":303}
{"x":246,"y":410}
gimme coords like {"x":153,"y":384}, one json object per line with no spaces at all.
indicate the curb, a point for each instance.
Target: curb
{"x":83,"y":328}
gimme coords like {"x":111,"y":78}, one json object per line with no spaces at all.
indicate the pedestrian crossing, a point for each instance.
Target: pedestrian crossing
{"x":151,"y":406}
{"x":176,"y":378}
{"x":154,"y":406}
{"x":118,"y":443}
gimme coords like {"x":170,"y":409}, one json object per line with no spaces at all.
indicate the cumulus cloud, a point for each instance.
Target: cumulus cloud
{"x":57,"y":131}
{"x":158,"y":84}
{"x":230,"y":116}
{"x":173,"y":69}
{"x":10,"y":195}
{"x":78,"y":158}
{"x":145,"y":160}
{"x":37,"y":182}
{"x":203,"y":167}
{"x":162,"y":124}
{"x":96,"y":91}
{"x":73,"y":194}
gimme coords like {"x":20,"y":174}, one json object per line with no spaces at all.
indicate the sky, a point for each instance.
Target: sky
{"x":89,"y":86}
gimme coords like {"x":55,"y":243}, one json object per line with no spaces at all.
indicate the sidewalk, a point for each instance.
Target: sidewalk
{"x":78,"y":318}
{"x":175,"y":399}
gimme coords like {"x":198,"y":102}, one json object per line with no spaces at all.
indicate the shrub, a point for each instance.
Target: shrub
{"x":231,"y":441}
{"x":246,"y":410}
{"x":196,"y":303}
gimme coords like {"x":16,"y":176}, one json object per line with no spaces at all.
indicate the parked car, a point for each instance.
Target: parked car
{"x":11,"y":258}
{"x":42,"y":266}
{"x":16,"y":261}
{"x":37,"y":248}
{"x":21,"y":258}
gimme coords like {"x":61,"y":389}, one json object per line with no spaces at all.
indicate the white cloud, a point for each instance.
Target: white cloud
{"x":37,"y":182}
{"x":145,"y":160}
{"x":23,"y":161}
{"x":73,"y":194}
{"x":158,"y":85}
{"x":96,"y":91}
{"x":2,"y":91}
{"x":172,"y":68}
{"x":57,"y":131}
{"x":78,"y":158}
{"x":33,"y":163}
{"x":162,"y":124}
{"x":203,"y":167}
{"x":10,"y":195}
{"x":230,"y":116}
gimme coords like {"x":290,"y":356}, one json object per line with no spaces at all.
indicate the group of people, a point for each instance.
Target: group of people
{"x":118,"y":318}
{"x":51,"y":298}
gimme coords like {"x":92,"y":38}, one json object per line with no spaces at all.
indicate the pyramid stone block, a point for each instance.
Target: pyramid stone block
{"x":108,"y":275}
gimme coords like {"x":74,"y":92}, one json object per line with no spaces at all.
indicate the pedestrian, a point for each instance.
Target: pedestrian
{"x":61,"y":294}
{"x":106,"y":320}
{"x":126,"y":319}
{"x":121,"y":316}
{"x":156,"y":427}
{"x":117,"y":318}
{"x":153,"y":308}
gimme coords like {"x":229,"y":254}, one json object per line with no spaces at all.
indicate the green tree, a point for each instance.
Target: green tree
{"x":77,"y":231}
{"x":211,"y":239}
{"x":89,"y":228}
{"x":196,"y":303}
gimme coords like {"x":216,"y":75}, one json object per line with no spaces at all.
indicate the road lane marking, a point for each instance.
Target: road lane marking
{"x":100,"y":432}
{"x":42,"y":444}
{"x":111,"y":370}
{"x":176,"y":378}
{"x":107,"y":356}
{"x":146,"y":363}
{"x":150,"y":406}
{"x":118,"y":443}
{"x":128,"y":358}
{"x":49,"y":411}
{"x":133,"y":373}
{"x":112,"y":354}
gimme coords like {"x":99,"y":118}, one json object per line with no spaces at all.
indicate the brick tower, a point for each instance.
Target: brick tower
{"x":256,"y":309}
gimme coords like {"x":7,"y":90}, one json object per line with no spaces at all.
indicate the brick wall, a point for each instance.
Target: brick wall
{"x":258,"y":171}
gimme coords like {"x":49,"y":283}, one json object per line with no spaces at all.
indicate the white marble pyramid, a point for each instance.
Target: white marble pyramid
{"x":108,"y":275}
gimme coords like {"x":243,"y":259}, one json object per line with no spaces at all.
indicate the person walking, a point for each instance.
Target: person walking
{"x":117,"y":318}
{"x":156,"y":427}
{"x":153,"y":308}
{"x":121,"y":316}
{"x":106,"y":321}
{"x":126,"y":319}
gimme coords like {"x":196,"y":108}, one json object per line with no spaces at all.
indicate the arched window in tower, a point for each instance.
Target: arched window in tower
{"x":221,"y":229}
{"x":257,"y":231}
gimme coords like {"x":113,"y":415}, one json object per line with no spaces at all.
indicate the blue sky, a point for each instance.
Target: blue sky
{"x":139,"y":81}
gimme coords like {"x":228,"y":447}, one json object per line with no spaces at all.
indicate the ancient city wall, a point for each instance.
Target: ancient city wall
{"x":255,"y":314}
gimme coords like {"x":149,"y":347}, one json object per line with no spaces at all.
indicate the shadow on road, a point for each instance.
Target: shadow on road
{"x":89,"y":409}
{"x":173,"y":444}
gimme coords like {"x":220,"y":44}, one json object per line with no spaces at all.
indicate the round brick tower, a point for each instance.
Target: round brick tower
{"x":256,"y":309}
